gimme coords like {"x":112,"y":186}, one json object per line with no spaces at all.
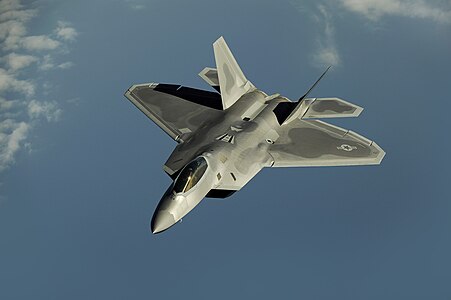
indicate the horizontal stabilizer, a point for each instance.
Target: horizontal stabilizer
{"x":288,"y":112}
{"x":331,"y":108}
{"x":210,"y":75}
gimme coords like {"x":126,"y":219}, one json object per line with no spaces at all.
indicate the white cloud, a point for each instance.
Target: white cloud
{"x":439,"y":11}
{"x":39,"y":42}
{"x":11,"y":32}
{"x":18,"y":61}
{"x":12,"y":135}
{"x":65,"y":31}
{"x":46,"y":109}
{"x":12,"y":23}
{"x":19,"y":15}
{"x":13,"y":18}
{"x":8,"y":82}
{"x":21,"y":50}
{"x":47,"y":63}
{"x":65,"y":65}
{"x":7,"y":104}
{"x":138,"y":6}
{"x":7,"y":5}
{"x":135,"y":4}
{"x":326,"y":52}
{"x":327,"y":56}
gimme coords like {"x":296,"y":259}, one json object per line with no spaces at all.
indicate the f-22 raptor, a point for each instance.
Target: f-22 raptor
{"x":225,"y":137}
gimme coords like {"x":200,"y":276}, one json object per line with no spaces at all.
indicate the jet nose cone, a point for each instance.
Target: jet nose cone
{"x":161,"y":221}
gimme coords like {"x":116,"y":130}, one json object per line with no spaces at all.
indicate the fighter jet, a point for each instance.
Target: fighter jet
{"x":225,"y":137}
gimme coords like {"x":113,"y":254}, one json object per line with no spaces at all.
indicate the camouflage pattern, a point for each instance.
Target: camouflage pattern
{"x":331,"y":108}
{"x":246,"y":136}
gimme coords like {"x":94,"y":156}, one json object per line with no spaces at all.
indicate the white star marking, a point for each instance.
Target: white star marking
{"x":346,"y":147}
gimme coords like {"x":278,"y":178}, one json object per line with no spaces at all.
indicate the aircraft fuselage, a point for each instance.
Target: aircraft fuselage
{"x":235,"y":147}
{"x":226,"y":137}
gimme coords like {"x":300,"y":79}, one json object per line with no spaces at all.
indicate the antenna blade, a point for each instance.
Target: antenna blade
{"x":313,"y":86}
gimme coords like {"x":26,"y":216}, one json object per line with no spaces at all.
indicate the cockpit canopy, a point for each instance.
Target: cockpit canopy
{"x":190,"y":175}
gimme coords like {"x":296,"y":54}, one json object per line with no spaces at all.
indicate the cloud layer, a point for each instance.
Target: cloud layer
{"x":21,"y":55}
{"x":439,"y":11}
{"x":326,"y":53}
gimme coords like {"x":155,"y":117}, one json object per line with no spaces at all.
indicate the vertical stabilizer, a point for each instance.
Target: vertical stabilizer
{"x":232,"y":82}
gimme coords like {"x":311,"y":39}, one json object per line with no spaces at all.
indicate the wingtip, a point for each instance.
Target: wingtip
{"x":381,"y":155}
{"x":219,"y":40}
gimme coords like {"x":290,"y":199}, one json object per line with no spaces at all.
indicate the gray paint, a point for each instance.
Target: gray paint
{"x":313,"y":143}
{"x":229,"y":79}
{"x":74,"y":211}
{"x":233,"y":145}
{"x":331,"y":106}
{"x":213,"y":76}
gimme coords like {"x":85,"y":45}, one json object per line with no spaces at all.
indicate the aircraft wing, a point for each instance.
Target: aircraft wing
{"x":305,"y":143}
{"x":174,"y":108}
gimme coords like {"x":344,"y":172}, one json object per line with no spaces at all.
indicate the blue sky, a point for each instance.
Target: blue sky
{"x":81,"y":167}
